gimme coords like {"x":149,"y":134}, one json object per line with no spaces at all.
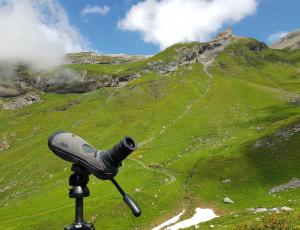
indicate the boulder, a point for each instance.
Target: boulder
{"x":255,"y":210}
{"x":296,"y":129}
{"x":227,"y":200}
{"x":286,"y":209}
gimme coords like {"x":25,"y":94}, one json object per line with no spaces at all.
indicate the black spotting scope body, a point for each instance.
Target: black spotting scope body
{"x":103,"y":164}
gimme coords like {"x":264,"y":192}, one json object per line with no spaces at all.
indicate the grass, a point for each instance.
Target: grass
{"x":196,"y":129}
{"x":108,"y":69}
{"x":170,"y":54}
{"x":272,"y":221}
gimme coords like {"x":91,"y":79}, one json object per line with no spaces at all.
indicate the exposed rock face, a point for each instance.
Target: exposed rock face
{"x":22,"y":101}
{"x":204,"y":53}
{"x":280,"y":136}
{"x":83,"y":84}
{"x":12,"y":89}
{"x":228,"y":33}
{"x":161,"y":67}
{"x":79,"y":83}
{"x":18,"y":79}
{"x":292,"y":184}
{"x":290,"y":41}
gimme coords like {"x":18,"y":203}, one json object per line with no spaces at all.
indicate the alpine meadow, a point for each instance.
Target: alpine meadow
{"x":212,"y":120}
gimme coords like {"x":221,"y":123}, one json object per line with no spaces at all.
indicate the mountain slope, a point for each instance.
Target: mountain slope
{"x":290,"y":41}
{"x":195,"y":127}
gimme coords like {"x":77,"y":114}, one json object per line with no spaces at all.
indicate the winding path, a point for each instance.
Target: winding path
{"x":160,"y":170}
{"x":179,"y":117}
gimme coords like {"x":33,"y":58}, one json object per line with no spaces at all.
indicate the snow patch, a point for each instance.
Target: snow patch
{"x":201,"y":216}
{"x":170,"y":221}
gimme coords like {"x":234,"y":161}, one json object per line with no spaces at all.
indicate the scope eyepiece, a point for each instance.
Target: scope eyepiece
{"x":121,"y":150}
{"x":103,"y":164}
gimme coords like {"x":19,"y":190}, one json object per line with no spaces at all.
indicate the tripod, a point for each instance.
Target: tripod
{"x":78,"y":180}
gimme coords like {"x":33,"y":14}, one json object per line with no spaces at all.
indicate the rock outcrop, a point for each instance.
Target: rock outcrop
{"x":292,"y":184}
{"x":22,"y":101}
{"x":277,"y":138}
{"x":270,"y":210}
{"x":204,"y":53}
{"x":65,"y":81}
{"x":290,"y":41}
{"x":12,"y":89}
{"x":83,"y":84}
{"x":18,"y":79}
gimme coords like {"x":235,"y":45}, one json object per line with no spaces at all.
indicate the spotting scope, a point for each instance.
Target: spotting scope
{"x":103,"y":164}
{"x":86,"y":159}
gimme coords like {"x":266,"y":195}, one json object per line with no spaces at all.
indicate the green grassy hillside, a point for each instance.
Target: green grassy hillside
{"x":194,"y":128}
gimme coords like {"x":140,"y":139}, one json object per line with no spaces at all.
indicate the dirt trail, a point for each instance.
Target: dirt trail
{"x":183,"y":114}
{"x":179,"y":117}
{"x":160,"y":170}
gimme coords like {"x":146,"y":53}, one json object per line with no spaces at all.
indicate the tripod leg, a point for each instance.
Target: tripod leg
{"x":78,"y":180}
{"x":79,"y":211}
{"x":80,"y":223}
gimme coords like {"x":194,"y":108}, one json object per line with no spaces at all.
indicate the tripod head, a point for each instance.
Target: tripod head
{"x":104,"y":164}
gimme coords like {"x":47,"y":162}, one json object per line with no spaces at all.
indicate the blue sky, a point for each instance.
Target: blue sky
{"x":271,"y":16}
{"x":102,"y":31}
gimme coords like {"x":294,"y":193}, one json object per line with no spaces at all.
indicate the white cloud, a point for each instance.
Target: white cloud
{"x":273,"y":38}
{"x":165,"y":22}
{"x":102,"y":10}
{"x":37,"y":33}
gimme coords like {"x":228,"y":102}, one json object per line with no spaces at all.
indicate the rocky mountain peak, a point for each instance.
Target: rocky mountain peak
{"x":290,"y":41}
{"x":228,"y":33}
{"x":204,"y":53}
